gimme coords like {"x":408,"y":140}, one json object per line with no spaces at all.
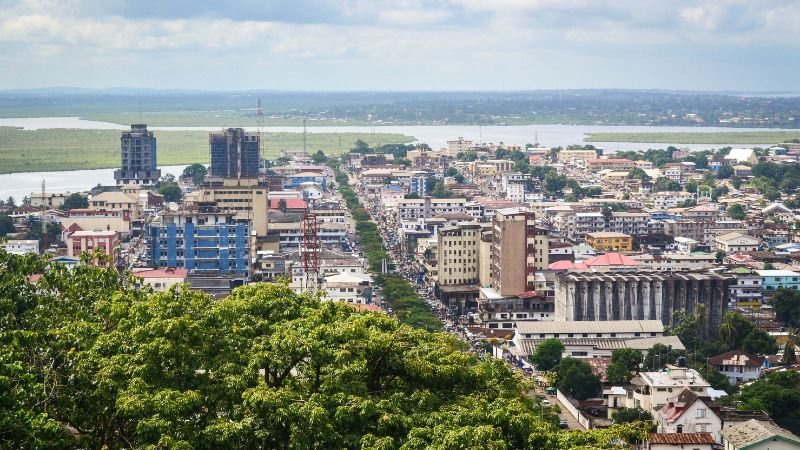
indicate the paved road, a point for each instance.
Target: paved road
{"x":572,"y":422}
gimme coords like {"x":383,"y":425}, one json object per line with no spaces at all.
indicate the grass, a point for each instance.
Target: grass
{"x":743,"y":138}
{"x":70,"y":149}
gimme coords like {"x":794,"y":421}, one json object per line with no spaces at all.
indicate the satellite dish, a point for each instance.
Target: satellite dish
{"x":172,"y":206}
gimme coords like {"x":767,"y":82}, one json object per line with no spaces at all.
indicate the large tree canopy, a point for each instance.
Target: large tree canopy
{"x":90,"y":359}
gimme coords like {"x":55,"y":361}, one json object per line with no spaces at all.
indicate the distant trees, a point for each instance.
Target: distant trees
{"x":626,"y":415}
{"x":75,"y":201}
{"x":624,"y":362}
{"x":547,"y":354}
{"x":786,"y":304}
{"x":6,"y":224}
{"x":575,"y":378}
{"x":778,"y":394}
{"x":725,"y":171}
{"x":197,"y":172}
{"x":171,"y":192}
{"x":319,"y":157}
{"x":664,"y":184}
{"x":736,"y":212}
{"x":638,"y":174}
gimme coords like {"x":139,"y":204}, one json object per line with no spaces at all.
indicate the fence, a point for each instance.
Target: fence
{"x":572,"y":409}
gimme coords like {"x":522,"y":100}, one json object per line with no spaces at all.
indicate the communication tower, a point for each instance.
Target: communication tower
{"x":310,"y":250}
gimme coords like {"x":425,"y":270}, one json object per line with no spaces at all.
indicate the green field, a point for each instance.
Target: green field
{"x":743,"y":138}
{"x":70,"y":149}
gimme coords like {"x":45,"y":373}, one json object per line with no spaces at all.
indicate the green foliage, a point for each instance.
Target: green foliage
{"x":658,"y":356}
{"x":547,"y":355}
{"x":786,"y":303}
{"x":553,"y":183}
{"x":171,"y":192}
{"x":6,"y":224}
{"x":412,"y":195}
{"x":197,"y":172}
{"x":319,"y":157}
{"x":687,"y":203}
{"x":663,"y":184}
{"x":725,"y":171}
{"x":736,"y":212}
{"x":742,"y":334}
{"x":624,"y":362}
{"x":87,"y":349}
{"x":638,"y":174}
{"x":778,"y":394}
{"x":75,"y":201}
{"x":627,"y":415}
{"x":576,"y":379}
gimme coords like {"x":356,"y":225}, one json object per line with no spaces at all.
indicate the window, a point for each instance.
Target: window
{"x":701,"y":413}
{"x":679,"y":429}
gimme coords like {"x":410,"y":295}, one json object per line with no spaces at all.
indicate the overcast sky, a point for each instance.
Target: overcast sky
{"x":401,"y":45}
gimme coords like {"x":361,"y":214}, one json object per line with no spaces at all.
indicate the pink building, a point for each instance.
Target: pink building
{"x":88,"y":241}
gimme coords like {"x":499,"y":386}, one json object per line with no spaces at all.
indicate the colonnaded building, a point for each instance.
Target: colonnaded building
{"x":642,"y":296}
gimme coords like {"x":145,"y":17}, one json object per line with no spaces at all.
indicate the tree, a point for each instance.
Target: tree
{"x":440,"y":192}
{"x":411,"y":195}
{"x":687,"y":327}
{"x":618,"y":374}
{"x":319,"y":157}
{"x":664,"y":184}
{"x":626,"y":415}
{"x":638,"y":174}
{"x":75,"y":201}
{"x":658,"y":356}
{"x":736,"y":182}
{"x":575,"y":378}
{"x":197,"y":172}
{"x":725,"y":171}
{"x":737,"y":212}
{"x":690,"y":186}
{"x":786,"y":303}
{"x":778,"y":394}
{"x":6,"y":224}
{"x":554,"y":183}
{"x":171,"y":192}
{"x":361,"y":147}
{"x":11,"y":203}
{"x":459,"y":178}
{"x":451,"y":172}
{"x":167,"y":179}
{"x":547,"y":355}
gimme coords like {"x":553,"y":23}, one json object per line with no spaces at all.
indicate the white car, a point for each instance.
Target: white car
{"x":545,"y":402}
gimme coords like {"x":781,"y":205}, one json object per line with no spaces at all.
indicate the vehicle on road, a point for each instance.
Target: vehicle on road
{"x":563,"y":424}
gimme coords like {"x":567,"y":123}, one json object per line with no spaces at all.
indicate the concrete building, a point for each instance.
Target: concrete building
{"x":746,"y":289}
{"x":641,"y":296}
{"x":738,"y":366}
{"x":50,"y":200}
{"x":653,"y":390}
{"x":688,"y":411}
{"x":89,"y":241}
{"x":776,"y":279}
{"x":458,"y":263}
{"x":614,"y":164}
{"x":670,"y":199}
{"x":116,"y":201}
{"x":90,"y":219}
{"x":610,"y":242}
{"x":575,"y":156}
{"x":736,"y":242}
{"x":20,"y":246}
{"x":206,"y":240}
{"x":410,"y":209}
{"x":162,"y":280}
{"x":758,"y":435}
{"x":513,"y":251}
{"x":353,"y":288}
{"x":234,"y":154}
{"x":456,"y":146}
{"x":138,"y":151}
{"x":248,"y":198}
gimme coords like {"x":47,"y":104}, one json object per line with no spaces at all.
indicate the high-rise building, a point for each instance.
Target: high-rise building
{"x":513,"y":256}
{"x":234,"y":154}
{"x":138,"y":157}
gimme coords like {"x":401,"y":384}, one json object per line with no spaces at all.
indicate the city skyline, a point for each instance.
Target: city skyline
{"x":412,"y":45}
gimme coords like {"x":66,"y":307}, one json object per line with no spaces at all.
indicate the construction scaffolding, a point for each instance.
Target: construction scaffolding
{"x":310,"y":251}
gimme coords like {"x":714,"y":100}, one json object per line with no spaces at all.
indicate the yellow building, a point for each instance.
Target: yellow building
{"x":608,"y":241}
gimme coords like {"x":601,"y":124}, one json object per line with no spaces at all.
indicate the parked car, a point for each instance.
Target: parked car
{"x":563,"y":424}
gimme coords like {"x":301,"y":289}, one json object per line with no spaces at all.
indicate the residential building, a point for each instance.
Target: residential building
{"x":738,"y":366}
{"x":138,"y":153}
{"x":205,"y":239}
{"x":746,"y":289}
{"x":736,"y":242}
{"x":513,"y":251}
{"x":50,"y":200}
{"x":163,"y":279}
{"x":654,"y":390}
{"x":758,"y":435}
{"x":670,"y":199}
{"x":247,"y":197}
{"x":576,"y":156}
{"x":20,"y":246}
{"x":641,"y":296}
{"x":91,"y":219}
{"x":776,"y":279}
{"x":414,"y":208}
{"x":499,"y":311}
{"x":741,"y":155}
{"x":456,"y":146}
{"x":610,"y":242}
{"x":89,"y":241}
{"x":116,"y":201}
{"x":353,"y":288}
{"x":688,"y":411}
{"x":234,"y":154}
{"x":615,"y":164}
{"x":299,"y":180}
{"x":680,"y":441}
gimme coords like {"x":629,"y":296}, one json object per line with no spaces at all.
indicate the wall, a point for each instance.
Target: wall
{"x":582,"y":419}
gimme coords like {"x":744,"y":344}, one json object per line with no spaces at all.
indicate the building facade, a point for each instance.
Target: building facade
{"x":138,"y":163}
{"x":234,"y":153}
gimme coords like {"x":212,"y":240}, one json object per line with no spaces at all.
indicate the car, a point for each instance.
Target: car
{"x":563,"y":424}
{"x":545,"y":402}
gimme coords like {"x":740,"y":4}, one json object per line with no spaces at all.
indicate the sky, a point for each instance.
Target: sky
{"x":400,"y":45}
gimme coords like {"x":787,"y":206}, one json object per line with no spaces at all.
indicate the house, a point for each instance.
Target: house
{"x":738,"y":366}
{"x":776,"y":279}
{"x":610,"y":241}
{"x":653,"y":390}
{"x":688,"y":412}
{"x":741,"y":155}
{"x":161,"y":280}
{"x":669,"y":441}
{"x":88,"y":241}
{"x":20,"y":246}
{"x":736,"y":242}
{"x":757,"y":435}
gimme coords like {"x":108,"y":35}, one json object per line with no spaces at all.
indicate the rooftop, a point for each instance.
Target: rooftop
{"x":753,"y":431}
{"x":599,"y":326}
{"x":611,"y":259}
{"x":165,"y":272}
{"x":681,"y":438}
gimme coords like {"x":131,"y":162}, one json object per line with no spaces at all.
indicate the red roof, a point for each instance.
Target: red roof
{"x":681,"y":438}
{"x":163,"y":273}
{"x":291,"y":203}
{"x":566,"y":265}
{"x":612,"y":259}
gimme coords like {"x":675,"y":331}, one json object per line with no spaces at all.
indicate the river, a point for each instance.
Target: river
{"x":22,"y":184}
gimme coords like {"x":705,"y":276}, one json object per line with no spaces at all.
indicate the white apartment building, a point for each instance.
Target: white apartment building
{"x":670,"y":199}
{"x":409,"y":209}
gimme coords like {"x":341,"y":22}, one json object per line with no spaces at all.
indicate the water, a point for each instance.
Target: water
{"x":22,"y":184}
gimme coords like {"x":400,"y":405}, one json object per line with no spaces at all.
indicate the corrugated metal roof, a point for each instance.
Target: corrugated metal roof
{"x":605,"y":326}
{"x":681,"y":438}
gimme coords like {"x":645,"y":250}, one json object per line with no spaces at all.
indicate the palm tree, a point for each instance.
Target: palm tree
{"x":793,"y":339}
{"x":727,"y":330}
